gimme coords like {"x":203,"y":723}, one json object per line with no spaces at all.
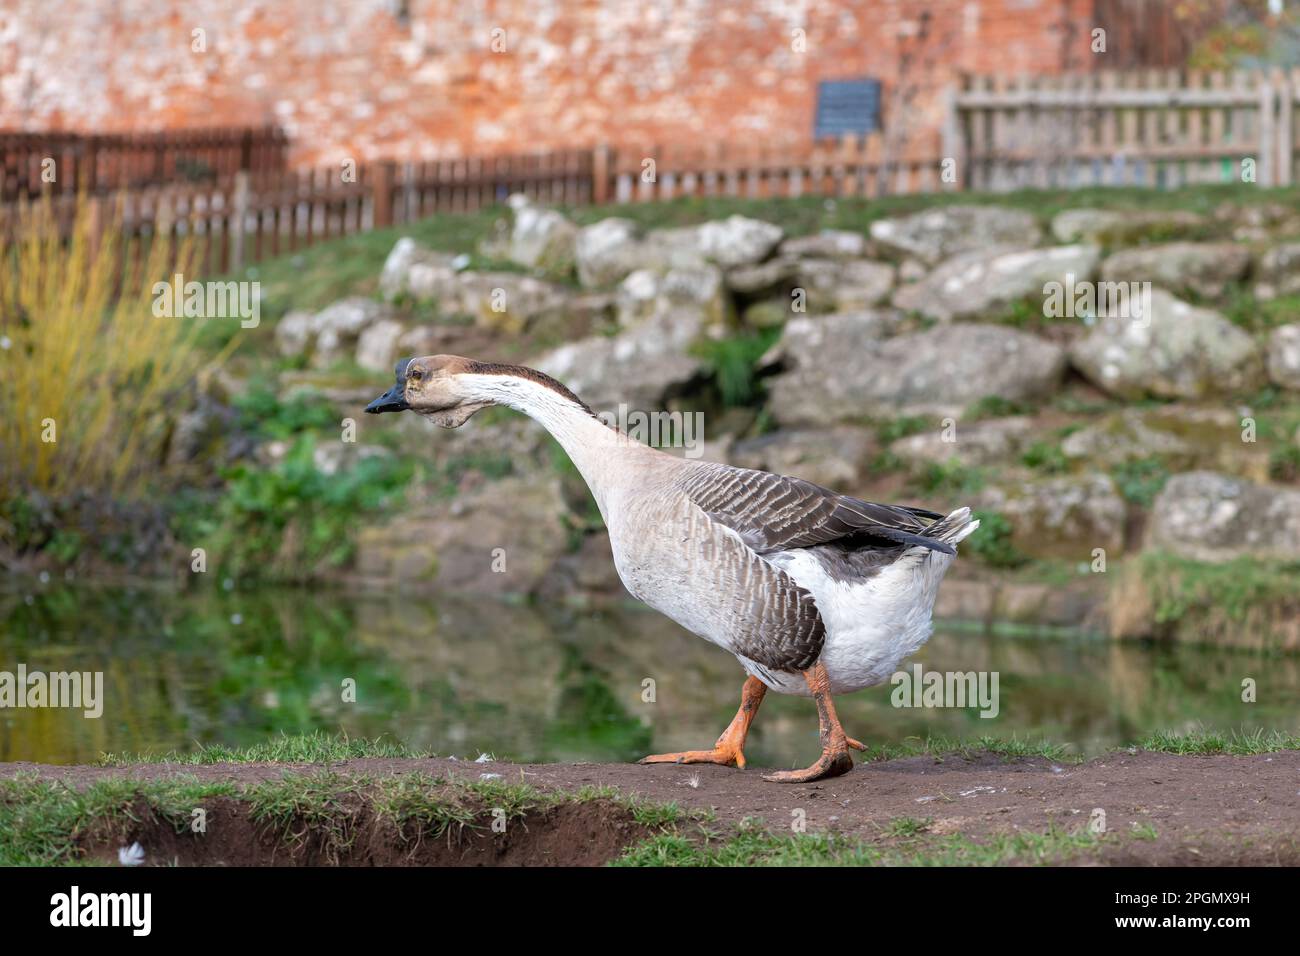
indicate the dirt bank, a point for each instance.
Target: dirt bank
{"x":1159,"y":808}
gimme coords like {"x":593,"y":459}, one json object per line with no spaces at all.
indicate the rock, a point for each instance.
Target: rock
{"x":845,"y":368}
{"x":294,"y":333}
{"x":836,"y":458}
{"x":574,"y":318}
{"x":828,"y":244}
{"x":378,"y":345}
{"x":645,"y":294}
{"x":1061,"y":517}
{"x":541,"y":238}
{"x":847,"y":287}
{"x":768,"y":313}
{"x":412,"y":270}
{"x":607,"y":251}
{"x":500,"y":538}
{"x":938,"y":234}
{"x":1179,"y":351}
{"x":738,"y":241}
{"x":1203,"y":268}
{"x":995,"y":441}
{"x":988,"y":281}
{"x":1284,"y":356}
{"x":1212,"y":517}
{"x":662,"y":315}
{"x":1181,"y":436}
{"x":1278,"y":271}
{"x":1258,"y":222}
{"x":828,"y":285}
{"x":505,"y":301}
{"x":336,"y":328}
{"x":1125,"y":227}
{"x":639,"y":367}
{"x":767,"y":276}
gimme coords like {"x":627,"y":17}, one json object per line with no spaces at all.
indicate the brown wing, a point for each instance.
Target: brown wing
{"x":776,"y":513}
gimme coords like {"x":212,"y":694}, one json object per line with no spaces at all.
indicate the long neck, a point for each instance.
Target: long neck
{"x":589,"y":442}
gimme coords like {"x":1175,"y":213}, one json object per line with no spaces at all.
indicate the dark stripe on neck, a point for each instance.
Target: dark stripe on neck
{"x":523,"y":371}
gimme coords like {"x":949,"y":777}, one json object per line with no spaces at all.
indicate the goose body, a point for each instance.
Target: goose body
{"x":815,"y":593}
{"x":859,"y":603}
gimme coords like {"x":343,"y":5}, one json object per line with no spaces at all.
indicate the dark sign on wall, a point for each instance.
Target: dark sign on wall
{"x":847,"y":108}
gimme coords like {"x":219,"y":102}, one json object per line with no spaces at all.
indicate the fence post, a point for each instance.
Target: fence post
{"x":382,"y":193}
{"x":238,"y":216}
{"x":601,"y":164}
{"x":1285,"y":128}
{"x":1268,"y":146}
{"x":954,"y":138}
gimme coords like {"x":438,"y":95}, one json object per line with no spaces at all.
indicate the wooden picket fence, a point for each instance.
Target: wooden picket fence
{"x":1150,"y":128}
{"x":32,"y":164}
{"x":1157,"y":128}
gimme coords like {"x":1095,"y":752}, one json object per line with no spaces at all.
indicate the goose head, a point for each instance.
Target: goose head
{"x":434,"y":387}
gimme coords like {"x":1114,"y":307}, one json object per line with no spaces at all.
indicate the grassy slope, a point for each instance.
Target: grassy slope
{"x":317,"y":276}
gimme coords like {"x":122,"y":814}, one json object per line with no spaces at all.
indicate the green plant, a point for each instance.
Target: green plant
{"x":264,"y":413}
{"x":950,"y":478}
{"x":896,"y":428}
{"x":291,"y":520}
{"x":1046,"y":457}
{"x":732,"y":362}
{"x":1284,"y":463}
{"x":992,"y":543}
{"x":994,"y":406}
{"x":1141,"y":480}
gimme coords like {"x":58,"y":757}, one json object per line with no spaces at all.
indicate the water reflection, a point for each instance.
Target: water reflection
{"x":461,"y":676}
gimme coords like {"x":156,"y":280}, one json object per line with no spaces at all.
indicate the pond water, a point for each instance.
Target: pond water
{"x":462,"y":676}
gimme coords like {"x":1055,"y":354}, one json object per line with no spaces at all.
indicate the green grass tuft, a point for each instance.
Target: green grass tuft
{"x":317,"y":747}
{"x":1233,"y":742}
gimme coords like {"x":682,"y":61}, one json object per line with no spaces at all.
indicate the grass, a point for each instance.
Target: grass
{"x":41,"y":821}
{"x":45,"y":822}
{"x":752,"y":847}
{"x":1245,"y":603}
{"x":1234,"y":587}
{"x":1233,"y":742}
{"x":940,"y":747}
{"x":316,"y":747}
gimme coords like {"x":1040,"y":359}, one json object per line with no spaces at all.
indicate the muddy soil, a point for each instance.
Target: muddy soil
{"x":1213,"y":810}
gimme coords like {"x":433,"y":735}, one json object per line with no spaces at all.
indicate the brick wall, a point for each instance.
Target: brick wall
{"x":419,"y":79}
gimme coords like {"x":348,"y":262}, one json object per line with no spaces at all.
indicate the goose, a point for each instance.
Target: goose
{"x":816,"y":594}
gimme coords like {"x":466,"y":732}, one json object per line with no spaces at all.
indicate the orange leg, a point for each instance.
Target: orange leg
{"x":730,"y":746}
{"x":835,"y":760}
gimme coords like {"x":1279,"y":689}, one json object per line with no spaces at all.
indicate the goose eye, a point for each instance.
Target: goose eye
{"x":417,"y":375}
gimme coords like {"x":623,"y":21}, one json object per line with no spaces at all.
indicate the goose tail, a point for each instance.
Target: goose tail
{"x":954,"y":528}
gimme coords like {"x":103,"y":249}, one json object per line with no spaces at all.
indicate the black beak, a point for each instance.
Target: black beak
{"x":393,"y":400}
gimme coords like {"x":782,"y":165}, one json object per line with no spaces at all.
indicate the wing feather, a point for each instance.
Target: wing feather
{"x":779,"y":513}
